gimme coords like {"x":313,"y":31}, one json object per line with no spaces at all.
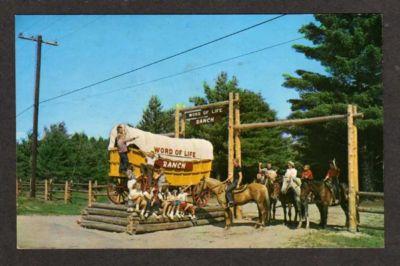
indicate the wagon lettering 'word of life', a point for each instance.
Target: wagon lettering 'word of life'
{"x":176,"y":152}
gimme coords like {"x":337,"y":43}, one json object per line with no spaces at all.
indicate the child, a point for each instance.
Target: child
{"x":120,"y":143}
{"x":135,"y":197}
{"x":175,"y":202}
{"x":307,"y":175}
{"x":167,"y":203}
{"x":185,"y":206}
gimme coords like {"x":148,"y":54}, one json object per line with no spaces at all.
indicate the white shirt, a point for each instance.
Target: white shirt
{"x":182,"y":196}
{"x":150,"y":160}
{"x":291,"y":173}
{"x":131,"y":186}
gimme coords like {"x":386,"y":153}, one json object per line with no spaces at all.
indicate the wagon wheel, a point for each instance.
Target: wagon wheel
{"x":117,"y":192}
{"x":201,"y":199}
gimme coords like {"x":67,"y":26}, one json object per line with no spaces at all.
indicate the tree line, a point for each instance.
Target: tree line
{"x":349,"y":48}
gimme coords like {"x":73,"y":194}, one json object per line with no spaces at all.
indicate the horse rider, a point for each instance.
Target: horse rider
{"x":234,"y":180}
{"x":265,"y":174}
{"x":332,"y":180}
{"x":291,"y":178}
{"x":307,"y":174}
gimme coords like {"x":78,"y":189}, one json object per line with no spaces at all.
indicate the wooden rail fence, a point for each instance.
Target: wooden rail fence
{"x":373,"y":210}
{"x":48,"y":190}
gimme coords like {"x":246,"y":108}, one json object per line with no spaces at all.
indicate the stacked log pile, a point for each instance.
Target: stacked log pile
{"x":116,"y":218}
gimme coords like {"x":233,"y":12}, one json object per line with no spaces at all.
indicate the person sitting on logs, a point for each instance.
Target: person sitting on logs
{"x":234,"y":181}
{"x":175,"y":202}
{"x":332,"y":180}
{"x":186,"y":207}
{"x":135,"y":196}
{"x":161,"y":182}
{"x":166,"y":204}
{"x":120,"y":143}
{"x":307,"y":174}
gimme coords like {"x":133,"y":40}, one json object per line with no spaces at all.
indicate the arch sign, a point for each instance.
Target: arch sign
{"x":205,"y":116}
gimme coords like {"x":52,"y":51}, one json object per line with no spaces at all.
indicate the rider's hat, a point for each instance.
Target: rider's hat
{"x":291,"y":163}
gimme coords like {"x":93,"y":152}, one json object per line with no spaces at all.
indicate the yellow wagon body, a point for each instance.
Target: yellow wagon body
{"x":175,"y":177}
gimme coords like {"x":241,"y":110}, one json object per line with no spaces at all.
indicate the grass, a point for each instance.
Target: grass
{"x":366,"y":238}
{"x":28,"y":206}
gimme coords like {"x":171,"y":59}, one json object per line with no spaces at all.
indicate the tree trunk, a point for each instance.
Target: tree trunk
{"x":367,"y":169}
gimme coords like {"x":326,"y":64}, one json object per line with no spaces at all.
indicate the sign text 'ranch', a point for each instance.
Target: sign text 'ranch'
{"x":205,"y":116}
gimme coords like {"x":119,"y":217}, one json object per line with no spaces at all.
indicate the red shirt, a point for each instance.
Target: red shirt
{"x":333,"y":173}
{"x":307,"y":174}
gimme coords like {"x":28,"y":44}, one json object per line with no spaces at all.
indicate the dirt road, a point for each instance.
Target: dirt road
{"x":64,"y":232}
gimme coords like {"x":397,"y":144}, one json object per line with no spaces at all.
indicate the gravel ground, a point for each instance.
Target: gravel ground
{"x":34,"y":232}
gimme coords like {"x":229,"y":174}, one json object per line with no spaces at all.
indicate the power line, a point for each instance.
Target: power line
{"x":81,"y":27}
{"x":25,"y":110}
{"x":187,"y":71}
{"x":160,"y":60}
{"x":196,"y":68}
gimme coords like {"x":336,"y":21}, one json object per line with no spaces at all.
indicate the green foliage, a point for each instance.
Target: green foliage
{"x":63,"y":157}
{"x":154,"y":119}
{"x":258,"y":145}
{"x":349,"y":47}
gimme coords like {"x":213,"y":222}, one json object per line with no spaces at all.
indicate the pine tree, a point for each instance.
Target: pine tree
{"x":349,"y":47}
{"x":257,"y":145}
{"x":154,"y":119}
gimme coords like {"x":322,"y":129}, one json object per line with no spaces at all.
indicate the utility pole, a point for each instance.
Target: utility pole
{"x":39,"y":41}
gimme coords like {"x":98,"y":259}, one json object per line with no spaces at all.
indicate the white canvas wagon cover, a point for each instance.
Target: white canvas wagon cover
{"x":175,"y":149}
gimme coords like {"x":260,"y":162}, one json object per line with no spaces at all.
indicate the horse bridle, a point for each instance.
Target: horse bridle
{"x":204,"y":182}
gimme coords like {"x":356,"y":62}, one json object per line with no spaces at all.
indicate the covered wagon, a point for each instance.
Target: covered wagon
{"x":185,"y":161}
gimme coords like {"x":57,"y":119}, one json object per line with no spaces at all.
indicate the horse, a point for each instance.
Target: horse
{"x":324,"y":197}
{"x":269,"y":180}
{"x":274,"y":189}
{"x":290,"y":193}
{"x":252,"y":192}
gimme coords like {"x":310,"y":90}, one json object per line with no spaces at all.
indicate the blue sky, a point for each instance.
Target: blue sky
{"x":95,"y":47}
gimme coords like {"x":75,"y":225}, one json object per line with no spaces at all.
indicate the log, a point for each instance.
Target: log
{"x":372,"y":194}
{"x":147,"y":228}
{"x":206,"y":106}
{"x":371,"y":210}
{"x":106,"y":219}
{"x":292,"y":122}
{"x":115,"y":213}
{"x":79,"y":190}
{"x":101,"y":186}
{"x":152,"y":219}
{"x":103,"y":226}
{"x":109,"y":206}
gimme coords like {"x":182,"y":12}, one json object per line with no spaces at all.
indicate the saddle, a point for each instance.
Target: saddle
{"x":240,"y":189}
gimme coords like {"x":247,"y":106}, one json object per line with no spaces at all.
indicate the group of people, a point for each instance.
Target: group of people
{"x":331,"y":178}
{"x":149,"y":193}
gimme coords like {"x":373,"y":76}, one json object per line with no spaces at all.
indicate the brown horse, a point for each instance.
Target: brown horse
{"x":274,"y":190}
{"x":323,"y":198}
{"x":253,"y":192}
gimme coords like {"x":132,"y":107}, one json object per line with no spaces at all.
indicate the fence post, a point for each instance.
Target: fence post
{"x":90,"y":193}
{"x":45,"y":190}
{"x":50,"y":192}
{"x":95,"y":190}
{"x":66,"y":189}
